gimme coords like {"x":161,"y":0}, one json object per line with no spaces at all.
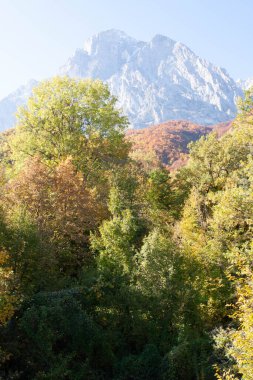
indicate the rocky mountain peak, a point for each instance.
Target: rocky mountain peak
{"x":154,"y":81}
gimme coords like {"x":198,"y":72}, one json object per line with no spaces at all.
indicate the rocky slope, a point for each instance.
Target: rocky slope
{"x":154,"y":81}
{"x":158,"y":80}
{"x":245,"y":84}
{"x":10,"y":104}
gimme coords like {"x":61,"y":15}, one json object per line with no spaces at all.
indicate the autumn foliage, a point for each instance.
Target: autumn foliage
{"x":168,"y":142}
{"x":111,"y":266}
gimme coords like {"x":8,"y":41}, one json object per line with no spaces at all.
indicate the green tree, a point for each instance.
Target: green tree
{"x":68,"y":117}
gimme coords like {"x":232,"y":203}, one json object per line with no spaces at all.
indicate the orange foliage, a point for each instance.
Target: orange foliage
{"x":169,"y":141}
{"x":7,"y":300}
{"x":57,"y":199}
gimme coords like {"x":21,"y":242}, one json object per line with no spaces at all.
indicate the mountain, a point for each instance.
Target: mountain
{"x":154,"y":81}
{"x":158,"y":80}
{"x":169,"y":141}
{"x":245,"y":84}
{"x":10,"y":104}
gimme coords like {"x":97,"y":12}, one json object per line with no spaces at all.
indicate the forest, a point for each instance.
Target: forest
{"x":111,"y":266}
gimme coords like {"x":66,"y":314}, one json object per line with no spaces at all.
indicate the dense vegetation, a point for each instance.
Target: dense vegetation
{"x":110,"y":267}
{"x":168,"y":142}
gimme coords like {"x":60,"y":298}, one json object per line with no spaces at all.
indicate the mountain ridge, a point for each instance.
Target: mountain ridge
{"x":154,"y":81}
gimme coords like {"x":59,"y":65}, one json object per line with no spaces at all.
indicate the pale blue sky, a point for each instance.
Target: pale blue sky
{"x":37,"y":36}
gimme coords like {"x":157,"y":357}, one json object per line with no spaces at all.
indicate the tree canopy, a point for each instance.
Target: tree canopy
{"x":69,"y":117}
{"x":111,"y":267}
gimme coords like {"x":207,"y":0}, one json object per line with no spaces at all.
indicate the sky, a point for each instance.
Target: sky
{"x":38,"y":36}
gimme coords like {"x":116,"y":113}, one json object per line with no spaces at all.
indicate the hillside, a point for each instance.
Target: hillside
{"x":169,"y":141}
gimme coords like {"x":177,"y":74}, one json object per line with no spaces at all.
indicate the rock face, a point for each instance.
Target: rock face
{"x":158,"y":80}
{"x":10,"y":104}
{"x":245,"y":84}
{"x":154,"y":81}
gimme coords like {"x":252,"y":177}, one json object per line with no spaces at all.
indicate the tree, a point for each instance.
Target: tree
{"x":115,"y":245}
{"x":68,"y":117}
{"x":161,"y":282}
{"x":60,"y":205}
{"x":7,"y":298}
